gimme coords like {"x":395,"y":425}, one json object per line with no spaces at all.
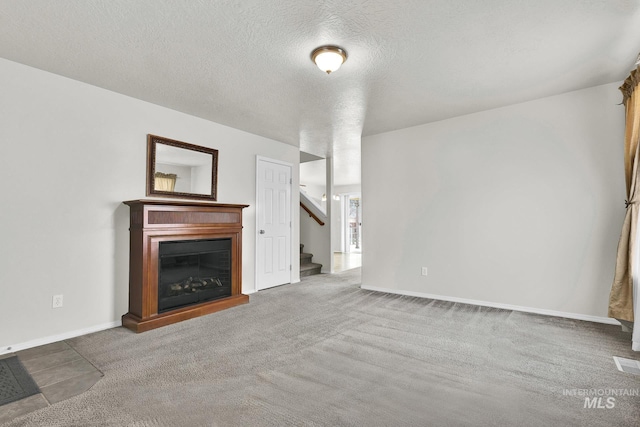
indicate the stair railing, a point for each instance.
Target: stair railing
{"x":312,"y":209}
{"x":311,"y":214}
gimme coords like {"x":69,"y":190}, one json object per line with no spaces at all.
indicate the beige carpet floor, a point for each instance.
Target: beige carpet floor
{"x":326,"y":353}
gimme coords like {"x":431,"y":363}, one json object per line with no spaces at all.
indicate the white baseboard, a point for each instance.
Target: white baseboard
{"x":543,"y":311}
{"x":59,"y":337}
{"x":253,"y":291}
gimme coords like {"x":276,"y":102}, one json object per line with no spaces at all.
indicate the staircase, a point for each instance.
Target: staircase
{"x":308,"y":268}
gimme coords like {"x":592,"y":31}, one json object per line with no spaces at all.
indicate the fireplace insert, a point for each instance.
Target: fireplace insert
{"x":193,"y":271}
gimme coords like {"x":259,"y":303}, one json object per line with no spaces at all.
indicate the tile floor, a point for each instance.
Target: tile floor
{"x":60,"y":373}
{"x":346,"y":261}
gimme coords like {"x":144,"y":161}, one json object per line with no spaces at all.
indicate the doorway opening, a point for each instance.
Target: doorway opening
{"x":350,"y":255}
{"x":353,"y":223}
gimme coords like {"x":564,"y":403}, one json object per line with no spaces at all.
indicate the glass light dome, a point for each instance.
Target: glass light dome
{"x":329,"y":58}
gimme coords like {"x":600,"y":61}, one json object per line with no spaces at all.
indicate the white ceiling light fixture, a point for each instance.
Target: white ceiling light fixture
{"x":329,"y":58}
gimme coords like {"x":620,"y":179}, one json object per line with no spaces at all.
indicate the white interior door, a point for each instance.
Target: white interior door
{"x":273,"y":213}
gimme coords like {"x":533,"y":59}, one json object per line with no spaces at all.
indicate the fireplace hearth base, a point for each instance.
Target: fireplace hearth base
{"x":137,"y":324}
{"x":154,"y":222}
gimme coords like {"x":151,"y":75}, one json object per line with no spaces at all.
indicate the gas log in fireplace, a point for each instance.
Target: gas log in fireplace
{"x":185,"y":261}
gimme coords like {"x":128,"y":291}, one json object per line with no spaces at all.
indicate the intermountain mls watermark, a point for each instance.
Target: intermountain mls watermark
{"x":601,"y":398}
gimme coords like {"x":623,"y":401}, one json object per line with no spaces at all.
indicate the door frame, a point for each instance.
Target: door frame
{"x":259,"y":159}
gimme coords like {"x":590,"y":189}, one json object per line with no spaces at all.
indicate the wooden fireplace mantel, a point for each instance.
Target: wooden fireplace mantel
{"x":155,"y":221}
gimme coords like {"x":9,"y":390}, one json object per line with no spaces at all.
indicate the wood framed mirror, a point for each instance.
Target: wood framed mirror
{"x":179,"y":169}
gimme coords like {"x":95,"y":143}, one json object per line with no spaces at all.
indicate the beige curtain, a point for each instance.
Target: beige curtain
{"x":164,"y":181}
{"x":621,"y":297}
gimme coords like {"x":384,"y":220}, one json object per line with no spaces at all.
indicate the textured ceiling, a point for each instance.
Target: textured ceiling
{"x":246,"y":63}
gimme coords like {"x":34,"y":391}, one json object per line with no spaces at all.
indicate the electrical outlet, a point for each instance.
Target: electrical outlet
{"x":424,"y":271}
{"x":56,"y":302}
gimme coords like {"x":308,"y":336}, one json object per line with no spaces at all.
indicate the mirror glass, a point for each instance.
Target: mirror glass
{"x":179,"y":169}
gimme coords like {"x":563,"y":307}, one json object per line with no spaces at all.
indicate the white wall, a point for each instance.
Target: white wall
{"x":315,"y":192}
{"x":521,"y":205}
{"x":71,"y":153}
{"x":313,"y":181}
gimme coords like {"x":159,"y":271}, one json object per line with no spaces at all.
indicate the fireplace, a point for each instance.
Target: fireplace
{"x":185,"y":261}
{"x":193,"y":271}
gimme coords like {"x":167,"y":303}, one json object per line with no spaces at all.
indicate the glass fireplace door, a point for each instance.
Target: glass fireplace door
{"x":193,"y":271}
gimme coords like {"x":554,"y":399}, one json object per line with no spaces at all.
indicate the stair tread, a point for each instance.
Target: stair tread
{"x":310,"y":266}
{"x":310,"y":269}
{"x":305,"y":259}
